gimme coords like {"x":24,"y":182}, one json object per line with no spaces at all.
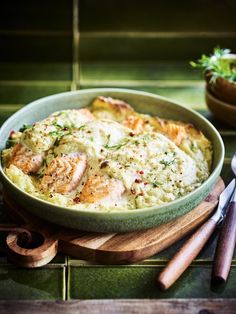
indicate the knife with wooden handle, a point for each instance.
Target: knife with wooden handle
{"x":226,"y":244}
{"x":183,"y":258}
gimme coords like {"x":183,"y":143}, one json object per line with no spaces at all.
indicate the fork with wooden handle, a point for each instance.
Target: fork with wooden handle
{"x":226,"y":245}
{"x":227,"y":239}
{"x":183,"y":258}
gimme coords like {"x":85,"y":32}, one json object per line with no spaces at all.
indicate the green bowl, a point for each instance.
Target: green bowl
{"x":127,"y":220}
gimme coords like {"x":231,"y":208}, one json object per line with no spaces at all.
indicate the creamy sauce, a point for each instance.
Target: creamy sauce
{"x":152,"y":169}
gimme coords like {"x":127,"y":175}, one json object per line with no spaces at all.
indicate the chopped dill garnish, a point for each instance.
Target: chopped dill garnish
{"x":24,"y":127}
{"x":145,"y":138}
{"x":193,"y":148}
{"x":10,"y":142}
{"x":167,"y":163}
{"x":57,"y":141}
{"x":117,"y":146}
{"x":108,"y":140}
{"x":57,"y":133}
{"x":155,"y":184}
{"x":82,"y":127}
{"x":57,"y":125}
{"x":135,"y":201}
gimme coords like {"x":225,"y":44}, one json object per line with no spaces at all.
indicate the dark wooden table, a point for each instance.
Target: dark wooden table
{"x":144,"y":45}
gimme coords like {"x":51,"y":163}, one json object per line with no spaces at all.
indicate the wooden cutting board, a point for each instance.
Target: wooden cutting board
{"x":49,"y":239}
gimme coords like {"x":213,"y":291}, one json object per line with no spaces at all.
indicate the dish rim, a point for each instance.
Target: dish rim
{"x":116,"y":213}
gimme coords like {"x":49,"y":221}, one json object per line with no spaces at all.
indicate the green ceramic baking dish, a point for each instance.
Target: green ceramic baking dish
{"x":115,"y":221}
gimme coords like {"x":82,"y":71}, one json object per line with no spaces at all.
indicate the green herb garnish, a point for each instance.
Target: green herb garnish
{"x":57,"y":133}
{"x":57,"y":141}
{"x":117,"y":146}
{"x":108,"y":140}
{"x":82,"y":127}
{"x":135,"y":201}
{"x":24,"y":127}
{"x":193,"y":148}
{"x":10,"y":142}
{"x":145,"y":138}
{"x":218,"y":65}
{"x":58,"y":126}
{"x":155,"y":184}
{"x":167,"y":163}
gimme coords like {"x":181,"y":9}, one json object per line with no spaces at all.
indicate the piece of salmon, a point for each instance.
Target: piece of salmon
{"x":99,"y":189}
{"x":176,"y":132}
{"x":64,"y":173}
{"x":25,"y":159}
{"x":135,"y":123}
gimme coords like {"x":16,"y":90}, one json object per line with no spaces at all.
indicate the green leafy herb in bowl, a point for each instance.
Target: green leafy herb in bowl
{"x":220,"y":74}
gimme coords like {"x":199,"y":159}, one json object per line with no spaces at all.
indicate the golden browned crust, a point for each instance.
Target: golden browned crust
{"x":118,"y":108}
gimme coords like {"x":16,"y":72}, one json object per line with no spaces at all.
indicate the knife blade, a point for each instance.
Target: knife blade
{"x":224,"y":199}
{"x":183,"y":258}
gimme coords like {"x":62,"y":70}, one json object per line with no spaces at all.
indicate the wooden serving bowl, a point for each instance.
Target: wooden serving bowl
{"x":222,"y":110}
{"x":223,"y":89}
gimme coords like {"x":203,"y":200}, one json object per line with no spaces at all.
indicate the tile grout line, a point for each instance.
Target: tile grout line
{"x":74,"y":86}
{"x":123,"y":34}
{"x":146,"y":83}
{"x":111,"y":82}
{"x":75,"y":47}
{"x":155,"y":35}
{"x":37,"y":33}
{"x":144,"y":263}
{"x":35,"y":83}
{"x":66,"y":279}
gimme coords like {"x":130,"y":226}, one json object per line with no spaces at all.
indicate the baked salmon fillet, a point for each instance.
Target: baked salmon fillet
{"x":184,"y":135}
{"x":63,"y":174}
{"x":99,"y":189}
{"x":25,"y":159}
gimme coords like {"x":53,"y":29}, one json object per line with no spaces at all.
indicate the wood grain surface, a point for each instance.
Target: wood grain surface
{"x":226,"y":246}
{"x":103,"y":248}
{"x":132,"y":306}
